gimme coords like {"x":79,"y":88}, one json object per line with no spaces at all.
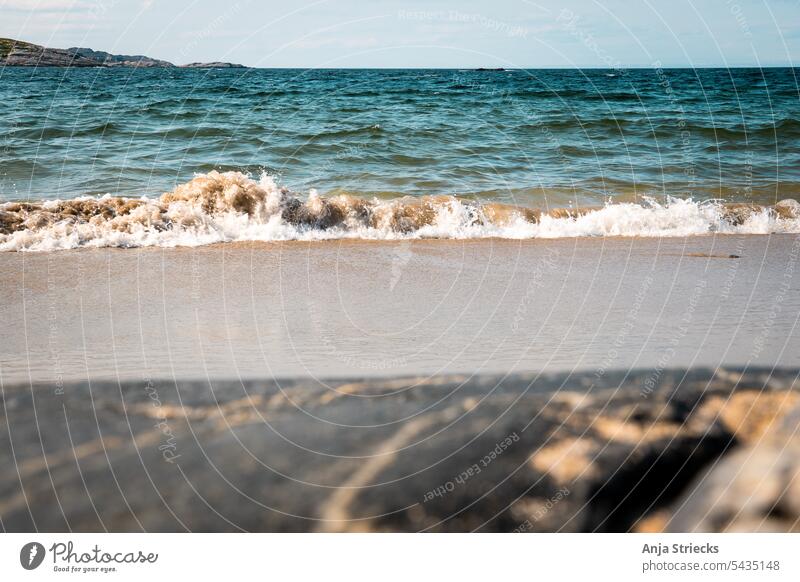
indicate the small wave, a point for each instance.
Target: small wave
{"x":170,"y":103}
{"x":783,"y":129}
{"x":229,"y":206}
{"x":614,"y":124}
{"x":373,"y":129}
{"x":74,"y":131}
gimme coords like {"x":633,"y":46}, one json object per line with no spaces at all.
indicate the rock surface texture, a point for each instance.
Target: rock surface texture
{"x":679,"y":450}
{"x":15,"y":53}
{"x":213,"y":65}
{"x":110,"y":60}
{"x":754,"y":489}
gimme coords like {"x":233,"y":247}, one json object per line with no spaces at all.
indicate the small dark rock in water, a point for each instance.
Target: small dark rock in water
{"x":495,"y":453}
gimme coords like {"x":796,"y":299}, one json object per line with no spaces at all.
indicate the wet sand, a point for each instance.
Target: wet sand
{"x":342,"y":309}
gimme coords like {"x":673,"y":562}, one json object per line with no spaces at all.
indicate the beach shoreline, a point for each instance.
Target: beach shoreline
{"x":232,"y":207}
{"x":410,"y":385}
{"x":349,"y":308}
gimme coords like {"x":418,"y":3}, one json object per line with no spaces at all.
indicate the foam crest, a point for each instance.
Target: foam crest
{"x":229,"y":206}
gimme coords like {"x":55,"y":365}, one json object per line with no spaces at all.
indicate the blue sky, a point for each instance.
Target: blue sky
{"x":415,"y":33}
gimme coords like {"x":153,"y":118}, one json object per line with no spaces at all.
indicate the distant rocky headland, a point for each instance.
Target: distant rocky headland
{"x":17,"y":53}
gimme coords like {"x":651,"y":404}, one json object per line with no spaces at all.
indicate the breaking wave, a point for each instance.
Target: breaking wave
{"x":229,"y":206}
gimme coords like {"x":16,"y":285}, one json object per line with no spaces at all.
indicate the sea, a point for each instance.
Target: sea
{"x":127,"y":157}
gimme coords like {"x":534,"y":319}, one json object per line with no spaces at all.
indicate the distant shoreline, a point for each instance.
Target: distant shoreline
{"x":17,"y":53}
{"x":33,"y":55}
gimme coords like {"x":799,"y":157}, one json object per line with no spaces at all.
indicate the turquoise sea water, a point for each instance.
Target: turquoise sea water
{"x":535,"y":138}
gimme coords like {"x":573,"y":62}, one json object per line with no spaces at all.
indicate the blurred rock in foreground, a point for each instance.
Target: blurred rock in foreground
{"x":647,"y":450}
{"x":755,"y":488}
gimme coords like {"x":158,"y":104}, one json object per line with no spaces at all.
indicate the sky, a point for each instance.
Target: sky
{"x":421,"y":33}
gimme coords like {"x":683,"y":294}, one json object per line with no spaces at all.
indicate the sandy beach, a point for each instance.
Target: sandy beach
{"x":379,"y":309}
{"x":612,"y":384}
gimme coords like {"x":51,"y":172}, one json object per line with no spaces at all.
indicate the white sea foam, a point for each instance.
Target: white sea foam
{"x":222,"y":207}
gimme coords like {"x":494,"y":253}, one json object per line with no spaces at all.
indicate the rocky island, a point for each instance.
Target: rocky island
{"x":213,"y":65}
{"x":17,"y":53}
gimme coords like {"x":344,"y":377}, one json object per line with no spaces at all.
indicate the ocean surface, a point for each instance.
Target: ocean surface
{"x":251,"y":154}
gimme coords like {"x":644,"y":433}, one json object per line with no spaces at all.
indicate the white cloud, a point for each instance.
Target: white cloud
{"x":46,"y":5}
